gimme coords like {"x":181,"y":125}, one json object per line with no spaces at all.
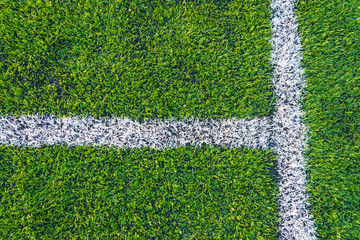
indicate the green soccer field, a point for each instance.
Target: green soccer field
{"x":131,"y":59}
{"x":173,"y":59}
{"x":102,"y":193}
{"x":330,"y":33}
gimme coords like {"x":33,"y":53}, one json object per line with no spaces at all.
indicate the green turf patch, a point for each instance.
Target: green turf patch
{"x":134,"y":59}
{"x":107,"y":193}
{"x":330,"y":32}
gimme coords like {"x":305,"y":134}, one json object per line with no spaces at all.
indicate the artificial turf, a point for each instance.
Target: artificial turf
{"x":111,"y":193}
{"x":167,"y":59}
{"x":330,"y":33}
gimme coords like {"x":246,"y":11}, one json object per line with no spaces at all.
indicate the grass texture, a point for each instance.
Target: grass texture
{"x":167,"y":59}
{"x":330,"y":36}
{"x":109,"y":193}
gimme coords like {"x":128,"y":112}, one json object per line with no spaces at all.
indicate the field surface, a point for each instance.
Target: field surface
{"x":173,"y":59}
{"x":131,"y":59}
{"x":330,"y":33}
{"x":102,"y":193}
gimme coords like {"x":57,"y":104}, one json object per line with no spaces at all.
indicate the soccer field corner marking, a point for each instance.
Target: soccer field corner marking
{"x":289,"y":133}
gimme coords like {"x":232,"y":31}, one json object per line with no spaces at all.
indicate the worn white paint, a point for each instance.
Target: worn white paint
{"x":289,"y":133}
{"x":39,"y":130}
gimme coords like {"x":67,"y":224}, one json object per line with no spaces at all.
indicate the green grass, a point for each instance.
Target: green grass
{"x":331,"y":32}
{"x":132,"y":59}
{"x":108,"y":193}
{"x":172,"y":59}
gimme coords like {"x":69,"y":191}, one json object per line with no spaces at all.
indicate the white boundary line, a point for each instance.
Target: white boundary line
{"x":285,"y":133}
{"x":39,"y":130}
{"x":289,"y":135}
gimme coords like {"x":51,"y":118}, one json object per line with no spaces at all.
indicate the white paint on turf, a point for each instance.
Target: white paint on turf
{"x":39,"y":130}
{"x":289,"y":133}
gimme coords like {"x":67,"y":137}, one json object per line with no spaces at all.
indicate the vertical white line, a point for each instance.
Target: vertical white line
{"x":289,"y":133}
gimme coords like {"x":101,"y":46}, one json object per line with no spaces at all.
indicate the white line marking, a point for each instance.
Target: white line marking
{"x":289,"y":135}
{"x":39,"y":130}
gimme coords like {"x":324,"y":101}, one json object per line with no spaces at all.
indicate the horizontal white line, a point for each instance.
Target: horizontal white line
{"x":38,"y":130}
